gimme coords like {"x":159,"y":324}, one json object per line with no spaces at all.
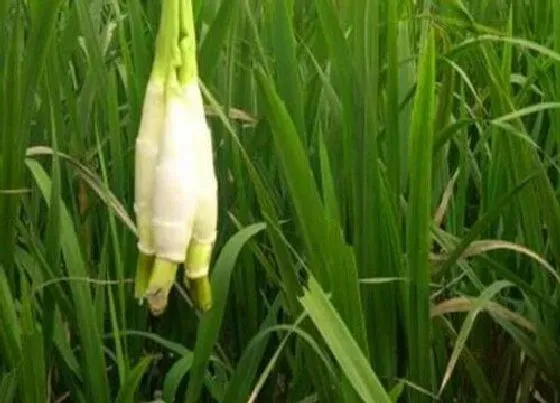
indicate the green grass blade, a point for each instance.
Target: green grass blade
{"x":93,"y":363}
{"x":10,"y":336}
{"x":240,"y":382}
{"x":343,"y":346}
{"x":8,"y":387}
{"x":174,"y":376}
{"x":322,"y":238}
{"x":419,"y":218}
{"x":393,"y":130}
{"x":209,"y":326}
{"x":287,"y":79}
{"x":211,"y":46}
{"x":467,"y":326}
{"x":128,"y":389}
{"x":32,"y":371}
{"x":297,"y":173}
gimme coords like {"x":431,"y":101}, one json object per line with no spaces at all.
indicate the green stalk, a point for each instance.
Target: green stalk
{"x":188,"y":70}
{"x":166,"y":41}
{"x":154,"y":279}
{"x":198,"y":255}
{"x":419,"y":219}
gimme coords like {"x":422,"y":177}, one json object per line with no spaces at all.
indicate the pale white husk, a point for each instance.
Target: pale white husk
{"x":185,"y":194}
{"x":146,"y":157}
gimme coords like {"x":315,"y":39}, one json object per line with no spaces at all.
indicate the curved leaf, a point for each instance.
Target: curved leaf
{"x":211,"y":321}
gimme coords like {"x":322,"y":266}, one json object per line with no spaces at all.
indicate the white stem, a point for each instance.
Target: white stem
{"x":178,"y":174}
{"x":206,"y":215}
{"x":146,"y":156}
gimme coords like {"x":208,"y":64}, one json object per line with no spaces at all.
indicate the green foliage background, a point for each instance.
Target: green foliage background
{"x":389,"y":207}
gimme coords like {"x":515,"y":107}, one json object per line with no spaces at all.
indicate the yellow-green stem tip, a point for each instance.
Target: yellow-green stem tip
{"x":201,"y":293}
{"x":144,"y":267}
{"x":159,"y":286}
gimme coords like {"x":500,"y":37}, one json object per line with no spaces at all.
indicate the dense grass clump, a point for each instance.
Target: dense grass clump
{"x":389,"y":209}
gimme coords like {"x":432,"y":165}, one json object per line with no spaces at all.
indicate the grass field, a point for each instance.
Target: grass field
{"x":389,"y":208}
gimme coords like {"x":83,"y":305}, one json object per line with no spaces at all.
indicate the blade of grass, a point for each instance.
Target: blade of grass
{"x":209,"y":325}
{"x":128,"y":389}
{"x":419,"y":219}
{"x":93,"y":364}
{"x":174,"y":376}
{"x":240,"y":382}
{"x":343,"y":346}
